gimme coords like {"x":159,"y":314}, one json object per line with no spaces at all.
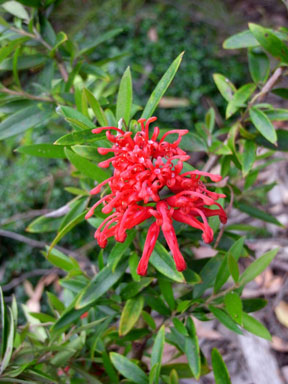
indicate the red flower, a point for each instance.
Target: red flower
{"x":143,"y":167}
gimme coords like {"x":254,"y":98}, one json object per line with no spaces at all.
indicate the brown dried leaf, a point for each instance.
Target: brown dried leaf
{"x":278,"y":344}
{"x":173,"y":102}
{"x":281,"y":312}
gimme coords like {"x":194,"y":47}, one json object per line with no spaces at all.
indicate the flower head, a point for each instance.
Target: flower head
{"x":143,"y":167}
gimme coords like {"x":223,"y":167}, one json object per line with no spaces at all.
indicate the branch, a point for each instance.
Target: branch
{"x":26,"y":95}
{"x":24,"y":276}
{"x":33,"y":243}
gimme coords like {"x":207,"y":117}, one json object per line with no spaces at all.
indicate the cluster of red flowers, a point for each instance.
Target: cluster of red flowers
{"x":143,"y":166}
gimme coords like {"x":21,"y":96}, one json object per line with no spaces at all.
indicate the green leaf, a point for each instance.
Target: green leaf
{"x":78,"y":219}
{"x":60,"y":39}
{"x":44,"y":224}
{"x":173,"y":377}
{"x":157,"y":352}
{"x":249,"y":156}
{"x":244,"y":39}
{"x":259,"y":66}
{"x":263,"y":124}
{"x":96,"y":107}
{"x":225,"y":319}
{"x":270,"y":42}
{"x":233,"y":267}
{"x":281,"y":92}
{"x":277,"y":114}
{"x":233,"y":305}
{"x":4,"y":324}
{"x":223,"y":272}
{"x":208,"y":275}
{"x":148,"y":320}
{"x":254,"y":326}
{"x":16,"y":9}
{"x":132,"y":289}
{"x":125,"y":97}
{"x":282,"y":144}
{"x":210,"y":120}
{"x":101,"y":39}
{"x":192,"y":350}
{"x":86,"y":167}
{"x":62,"y":261}
{"x":73,"y":116}
{"x":24,"y":62}
{"x":257,"y":267}
{"x":100,"y":284}
{"x":253,"y":305}
{"x":119,"y":249}
{"x":161,"y":88}
{"x":130,"y":314}
{"x":220,"y":371}
{"x":89,"y":152}
{"x":50,"y":151}
{"x":10,"y":47}
{"x":128,"y":369}
{"x":22,"y":120}
{"x":224,"y":85}
{"x":163,"y":262}
{"x":9,"y":346}
{"x":167,"y":292}
{"x":256,"y":212}
{"x":80,"y":137}
{"x":239,"y":98}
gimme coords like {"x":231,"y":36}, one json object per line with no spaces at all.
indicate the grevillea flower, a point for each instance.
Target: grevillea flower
{"x":143,"y":167}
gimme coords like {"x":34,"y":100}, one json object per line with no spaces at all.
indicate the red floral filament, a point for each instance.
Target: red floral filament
{"x":144,"y":166}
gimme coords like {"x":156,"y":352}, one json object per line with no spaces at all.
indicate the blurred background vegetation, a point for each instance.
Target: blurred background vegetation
{"x":153,"y":34}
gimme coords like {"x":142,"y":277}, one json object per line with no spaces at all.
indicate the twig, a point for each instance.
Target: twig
{"x":27,"y":275}
{"x":26,"y":95}
{"x":33,"y":243}
{"x":24,"y":216}
{"x":228,"y":213}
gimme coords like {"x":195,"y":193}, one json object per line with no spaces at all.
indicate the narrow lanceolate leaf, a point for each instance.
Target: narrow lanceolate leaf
{"x":161,"y":88}
{"x":220,"y":371}
{"x":99,"y":40}
{"x":4,"y":324}
{"x":270,"y":42}
{"x":100,"y":284}
{"x":78,"y":219}
{"x":73,"y":116}
{"x":86,"y":167}
{"x":225,"y":319}
{"x":9,"y":345}
{"x":130,"y":314}
{"x":258,"y":213}
{"x":257,"y":267}
{"x":128,"y":369}
{"x":22,"y":120}
{"x":263,"y":124}
{"x":254,"y":326}
{"x":223,"y":273}
{"x":125,"y":97}
{"x":244,"y":39}
{"x":249,"y":156}
{"x":163,"y":262}
{"x":259,"y":66}
{"x":43,"y":150}
{"x":80,"y":137}
{"x":96,"y":107}
{"x":157,"y":352}
{"x":239,"y":98}
{"x":192,"y":350}
{"x":224,"y":85}
{"x":233,"y":305}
